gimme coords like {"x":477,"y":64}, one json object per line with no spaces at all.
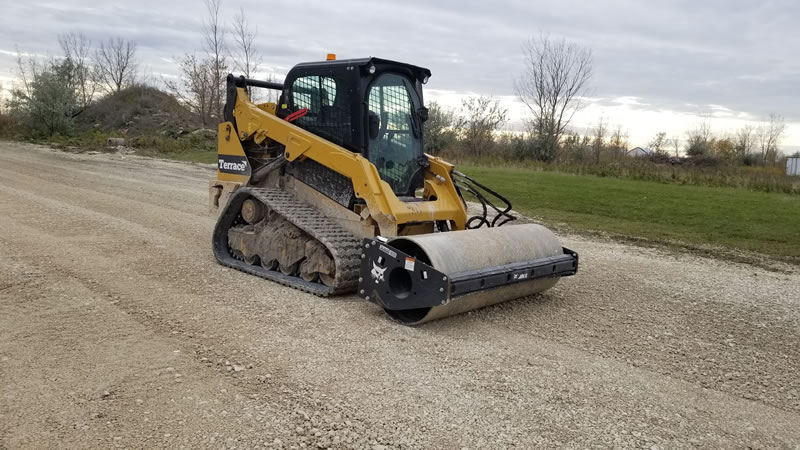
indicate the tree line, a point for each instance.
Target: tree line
{"x":51,"y":92}
{"x":553,"y":87}
{"x":751,"y":144}
{"x":474,"y":131}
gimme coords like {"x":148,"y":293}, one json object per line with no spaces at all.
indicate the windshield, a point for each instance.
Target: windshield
{"x":327,"y":105}
{"x":396,"y":148}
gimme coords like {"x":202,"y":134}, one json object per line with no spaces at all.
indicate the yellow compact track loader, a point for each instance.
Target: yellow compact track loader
{"x":329,"y":191}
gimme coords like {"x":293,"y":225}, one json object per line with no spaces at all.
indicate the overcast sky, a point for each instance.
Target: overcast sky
{"x":658,"y":65}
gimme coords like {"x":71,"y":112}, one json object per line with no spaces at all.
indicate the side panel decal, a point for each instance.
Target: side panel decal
{"x":233,"y":164}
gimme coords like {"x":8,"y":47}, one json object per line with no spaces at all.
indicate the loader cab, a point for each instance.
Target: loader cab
{"x":370,"y":106}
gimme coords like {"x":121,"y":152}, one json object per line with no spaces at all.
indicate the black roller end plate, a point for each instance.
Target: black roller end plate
{"x":396,"y":281}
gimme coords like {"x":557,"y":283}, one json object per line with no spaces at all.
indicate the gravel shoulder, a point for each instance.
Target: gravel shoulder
{"x":117,"y":328}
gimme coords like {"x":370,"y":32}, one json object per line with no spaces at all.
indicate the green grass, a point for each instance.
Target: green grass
{"x":767,"y":223}
{"x":187,"y":148}
{"x":720,"y":174}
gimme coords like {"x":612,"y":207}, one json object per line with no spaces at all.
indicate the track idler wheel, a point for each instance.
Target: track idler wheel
{"x":252,"y":211}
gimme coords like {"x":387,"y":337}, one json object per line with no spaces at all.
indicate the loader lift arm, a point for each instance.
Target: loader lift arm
{"x":253,"y":123}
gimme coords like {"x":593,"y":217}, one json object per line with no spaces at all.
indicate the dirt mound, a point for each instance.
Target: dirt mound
{"x":136,"y":111}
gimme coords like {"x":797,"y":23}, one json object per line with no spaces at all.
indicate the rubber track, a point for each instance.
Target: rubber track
{"x":342,"y":245}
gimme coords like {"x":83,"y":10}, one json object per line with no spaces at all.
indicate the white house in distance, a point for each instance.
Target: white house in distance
{"x":793,"y":166}
{"x":639,"y":152}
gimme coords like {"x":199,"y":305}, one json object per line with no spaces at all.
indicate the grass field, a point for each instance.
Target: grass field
{"x":767,"y":223}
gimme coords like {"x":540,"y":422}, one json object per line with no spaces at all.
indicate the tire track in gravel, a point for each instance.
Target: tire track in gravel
{"x":30,"y":177}
{"x":105,"y":380}
{"x":208,"y":340}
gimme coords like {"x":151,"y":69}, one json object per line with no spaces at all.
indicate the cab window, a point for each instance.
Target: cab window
{"x":328,"y":114}
{"x":395,"y":143}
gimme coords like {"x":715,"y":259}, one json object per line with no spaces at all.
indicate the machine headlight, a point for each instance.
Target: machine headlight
{"x":371,"y":69}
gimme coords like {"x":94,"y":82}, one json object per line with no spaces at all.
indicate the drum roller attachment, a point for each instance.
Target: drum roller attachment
{"x":421,"y":278}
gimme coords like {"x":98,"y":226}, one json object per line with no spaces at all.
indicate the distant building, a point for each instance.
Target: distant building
{"x":639,"y":152}
{"x":793,"y":166}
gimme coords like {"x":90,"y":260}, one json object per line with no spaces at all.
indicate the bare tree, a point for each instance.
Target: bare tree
{"x":196,"y":87}
{"x":76,"y":48}
{"x":201,"y":85}
{"x":247,"y":59}
{"x":700,"y":140}
{"x":599,"y":138}
{"x":553,"y":85}
{"x":214,"y":45}
{"x":676,"y":144}
{"x":618,"y":142}
{"x":658,"y":142}
{"x":480,"y":117}
{"x":769,"y":137}
{"x":27,"y":70}
{"x":115,"y":64}
{"x":744,"y":141}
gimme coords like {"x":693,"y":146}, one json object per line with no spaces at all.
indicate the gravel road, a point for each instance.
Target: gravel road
{"x":118,"y":329}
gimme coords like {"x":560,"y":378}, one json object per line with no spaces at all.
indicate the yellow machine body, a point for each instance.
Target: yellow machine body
{"x":301,"y":209}
{"x":257,"y":123}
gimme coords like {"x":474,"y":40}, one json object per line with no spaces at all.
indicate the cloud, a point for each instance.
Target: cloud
{"x":675,"y":57}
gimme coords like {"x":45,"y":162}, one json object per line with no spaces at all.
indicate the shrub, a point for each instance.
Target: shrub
{"x":660,"y":157}
{"x":50,"y":103}
{"x":705,"y":160}
{"x":698,"y":171}
{"x":439,"y":131}
{"x":9,"y":126}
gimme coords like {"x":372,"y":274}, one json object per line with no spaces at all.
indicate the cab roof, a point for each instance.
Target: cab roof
{"x":382,"y":64}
